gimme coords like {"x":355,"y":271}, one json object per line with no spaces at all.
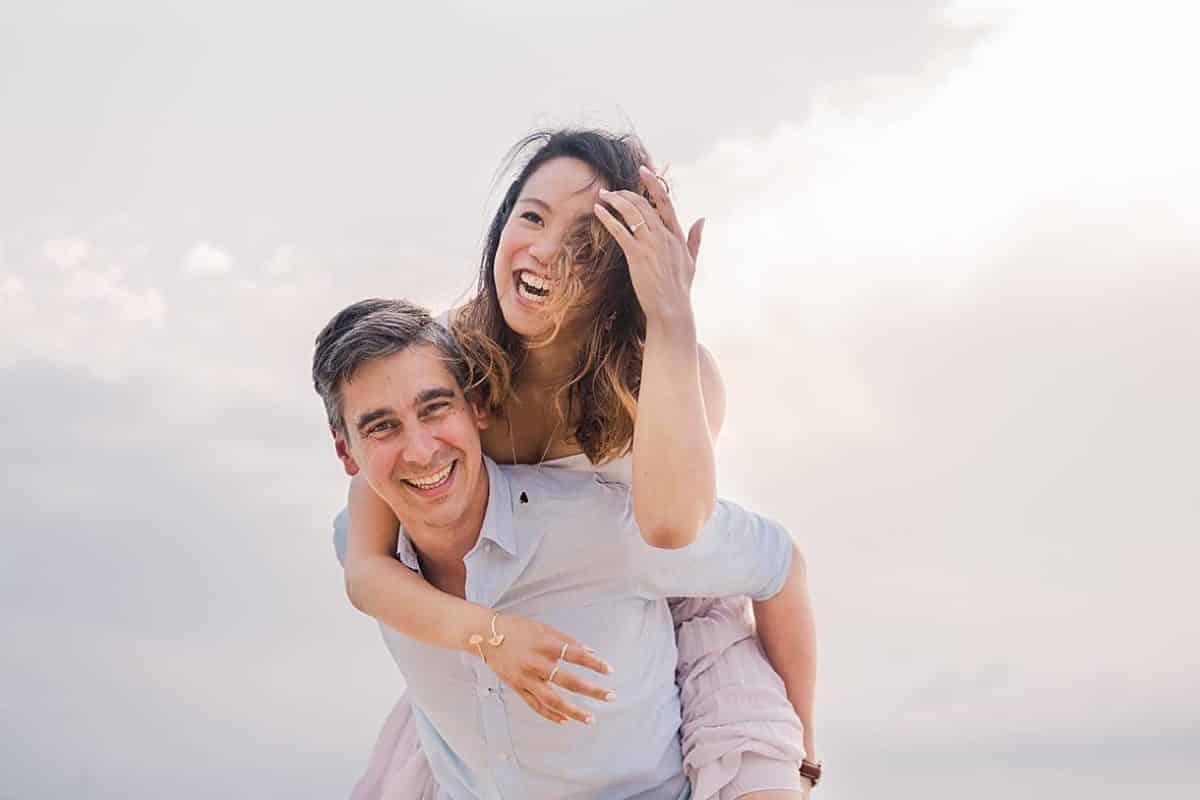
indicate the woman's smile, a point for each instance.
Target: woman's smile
{"x":531,"y":287}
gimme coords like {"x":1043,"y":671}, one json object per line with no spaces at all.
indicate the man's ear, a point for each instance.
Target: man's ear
{"x":483,"y":419}
{"x":343,"y":453}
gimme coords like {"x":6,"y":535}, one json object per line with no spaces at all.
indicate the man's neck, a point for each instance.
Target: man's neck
{"x":441,"y":549}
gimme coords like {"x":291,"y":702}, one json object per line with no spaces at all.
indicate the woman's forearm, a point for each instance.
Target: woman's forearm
{"x":787,"y":630}
{"x":382,"y":587}
{"x":674,"y":471}
{"x":404,"y":601}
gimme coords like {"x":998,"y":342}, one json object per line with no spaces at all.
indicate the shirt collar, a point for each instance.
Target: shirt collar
{"x":405,"y":551}
{"x":497,"y":520}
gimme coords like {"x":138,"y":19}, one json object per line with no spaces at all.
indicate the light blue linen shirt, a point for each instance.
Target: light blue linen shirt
{"x":562,"y":547}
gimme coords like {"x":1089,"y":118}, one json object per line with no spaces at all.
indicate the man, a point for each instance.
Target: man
{"x":558,"y":546}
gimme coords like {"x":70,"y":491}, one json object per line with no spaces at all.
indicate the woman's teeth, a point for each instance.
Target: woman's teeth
{"x":433,"y":480}
{"x":532,"y":287}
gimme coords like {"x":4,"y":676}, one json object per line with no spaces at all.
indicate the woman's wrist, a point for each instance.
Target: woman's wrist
{"x":474,"y":619}
{"x":672,"y":321}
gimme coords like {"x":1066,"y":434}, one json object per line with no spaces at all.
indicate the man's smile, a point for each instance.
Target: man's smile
{"x":434,"y":483}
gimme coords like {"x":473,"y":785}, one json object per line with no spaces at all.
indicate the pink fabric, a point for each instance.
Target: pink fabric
{"x":397,"y":769}
{"x":733,"y":703}
{"x":733,"y":700}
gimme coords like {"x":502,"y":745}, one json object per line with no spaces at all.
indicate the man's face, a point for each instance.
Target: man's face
{"x":416,"y":438}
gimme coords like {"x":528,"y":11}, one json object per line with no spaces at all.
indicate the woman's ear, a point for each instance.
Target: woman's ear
{"x":343,"y":453}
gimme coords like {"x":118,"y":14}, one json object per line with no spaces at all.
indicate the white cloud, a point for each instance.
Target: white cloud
{"x":66,"y":253}
{"x":1042,"y":125}
{"x":90,"y":312}
{"x":206,"y":259}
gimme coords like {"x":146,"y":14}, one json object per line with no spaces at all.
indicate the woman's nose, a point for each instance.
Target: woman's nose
{"x":543,"y":249}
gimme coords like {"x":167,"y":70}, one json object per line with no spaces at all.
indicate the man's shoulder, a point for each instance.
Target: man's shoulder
{"x":555,"y":485}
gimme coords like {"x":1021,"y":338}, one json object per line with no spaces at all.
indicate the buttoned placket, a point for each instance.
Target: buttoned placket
{"x":482,"y":572}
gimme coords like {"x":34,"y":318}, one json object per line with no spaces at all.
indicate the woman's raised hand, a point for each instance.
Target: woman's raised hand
{"x":662,"y":263}
{"x":530,"y":660}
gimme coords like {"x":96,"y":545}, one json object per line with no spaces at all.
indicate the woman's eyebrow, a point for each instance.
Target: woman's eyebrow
{"x":535,"y":201}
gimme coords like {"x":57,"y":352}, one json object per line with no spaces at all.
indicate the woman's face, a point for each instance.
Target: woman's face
{"x":554,"y":197}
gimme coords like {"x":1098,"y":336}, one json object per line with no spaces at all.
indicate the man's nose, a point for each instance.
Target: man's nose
{"x":419,"y":447}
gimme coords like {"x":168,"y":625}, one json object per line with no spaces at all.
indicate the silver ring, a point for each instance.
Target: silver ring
{"x":561,"y":654}
{"x":633,"y":228}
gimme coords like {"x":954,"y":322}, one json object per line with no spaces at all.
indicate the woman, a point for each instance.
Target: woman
{"x":582,"y":324}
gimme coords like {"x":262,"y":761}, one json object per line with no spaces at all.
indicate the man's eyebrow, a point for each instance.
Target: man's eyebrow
{"x":434,"y":394}
{"x":367,"y":417}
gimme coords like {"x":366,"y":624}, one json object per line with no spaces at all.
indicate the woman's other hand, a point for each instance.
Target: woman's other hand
{"x":530,"y":654}
{"x":662,"y":263}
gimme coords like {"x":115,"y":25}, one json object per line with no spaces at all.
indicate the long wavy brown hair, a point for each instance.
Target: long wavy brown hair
{"x":592,"y":293}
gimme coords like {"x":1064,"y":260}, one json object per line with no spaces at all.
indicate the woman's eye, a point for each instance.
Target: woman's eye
{"x":435,"y":408}
{"x":532,"y":216}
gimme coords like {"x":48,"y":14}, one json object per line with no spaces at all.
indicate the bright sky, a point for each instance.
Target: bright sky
{"x":951,"y":273}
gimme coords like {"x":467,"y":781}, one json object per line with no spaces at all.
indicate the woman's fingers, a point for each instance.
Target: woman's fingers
{"x":657,"y":190}
{"x":583,"y":657}
{"x":616,"y":228}
{"x":533,"y":652}
{"x":557,"y":704}
{"x":634,"y":209}
{"x":540,"y":708}
{"x":573,"y":683}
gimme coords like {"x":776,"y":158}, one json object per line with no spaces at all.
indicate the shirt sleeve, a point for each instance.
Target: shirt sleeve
{"x":341,"y":533}
{"x":737,"y":552}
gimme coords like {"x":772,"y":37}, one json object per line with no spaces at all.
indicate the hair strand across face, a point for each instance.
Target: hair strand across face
{"x":593,"y":294}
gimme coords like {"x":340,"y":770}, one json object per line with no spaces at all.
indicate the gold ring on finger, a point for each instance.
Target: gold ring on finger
{"x":553,"y":672}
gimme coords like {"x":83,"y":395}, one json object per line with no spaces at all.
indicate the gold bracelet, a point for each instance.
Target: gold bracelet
{"x":497,"y":638}
{"x":476,"y":640}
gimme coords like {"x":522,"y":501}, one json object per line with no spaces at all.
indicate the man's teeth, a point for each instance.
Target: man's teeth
{"x":434,"y":480}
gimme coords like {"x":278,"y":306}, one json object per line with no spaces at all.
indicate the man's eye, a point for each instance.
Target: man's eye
{"x":532,"y":216}
{"x":379,"y":427}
